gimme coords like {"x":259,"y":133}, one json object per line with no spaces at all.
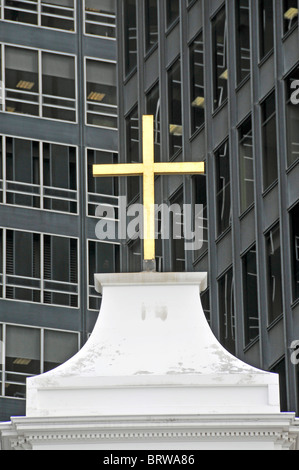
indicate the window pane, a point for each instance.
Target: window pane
{"x":251,"y":315}
{"x":101,"y":94}
{"x":151,"y":23}
{"x":197,"y":84}
{"x":200,"y":198}
{"x":172,"y":11}
{"x":100,"y":18}
{"x":135,"y":258}
{"x":60,"y":178}
{"x":220,"y":74}
{"x":60,"y":271}
{"x":175,"y":108}
{"x":266,"y":27}
{"x":274,"y":274}
{"x":22,"y":172}
{"x":59,"y":346}
{"x":58,"y":14}
{"x":223,"y":198}
{"x":22,"y":358}
{"x":246,"y":165}
{"x":133,"y":155}
{"x":270,"y":171}
{"x":21,"y":12}
{"x":130,"y":31}
{"x":227,"y":311}
{"x":292,"y":116}
{"x":59,"y":87}
{"x":290,"y":14}
{"x":23,"y":266}
{"x":177,"y":234}
{"x":295,"y":250}
{"x":100,"y":190}
{"x":153,"y":108}
{"x":21,"y":81}
{"x":243,"y":39}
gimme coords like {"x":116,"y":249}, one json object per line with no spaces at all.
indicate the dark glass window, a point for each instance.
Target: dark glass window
{"x":227,"y":311}
{"x":274,"y":286}
{"x":172,"y":11}
{"x":243,"y":39}
{"x":266,"y":27}
{"x":295,"y":250}
{"x":269,"y":134}
{"x":133,"y":155}
{"x":223,"y":197}
{"x":23,"y":266}
{"x":177,"y":234}
{"x":292,"y":116}
{"x":220,"y":71}
{"x":58,"y":83}
{"x":205,"y":302}
{"x":135,"y":257}
{"x":100,"y":190}
{"x":175,"y":108}
{"x":280,"y":369}
{"x":290,"y":14}
{"x":130,"y":31}
{"x":246,"y":165}
{"x":151,"y":23}
{"x":22,"y":172}
{"x":102,"y":258}
{"x":59,"y":346}
{"x":251,"y":314}
{"x":200,"y":198}
{"x":101,"y":93}
{"x":197,"y":84}
{"x":100,"y":18}
{"x":153,"y":108}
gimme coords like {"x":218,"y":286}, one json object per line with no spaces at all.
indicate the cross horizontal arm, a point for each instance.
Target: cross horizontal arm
{"x":179,"y":168}
{"x":130,"y":169}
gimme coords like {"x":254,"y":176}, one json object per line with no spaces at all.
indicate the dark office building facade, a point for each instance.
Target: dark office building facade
{"x":76,"y":79}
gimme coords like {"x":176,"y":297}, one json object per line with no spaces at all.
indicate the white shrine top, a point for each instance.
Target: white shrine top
{"x":152,"y":352}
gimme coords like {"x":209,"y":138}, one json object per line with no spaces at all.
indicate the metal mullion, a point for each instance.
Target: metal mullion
{"x":4,"y":167}
{"x":3,"y":358}
{"x":42,"y":350}
{"x":42,"y":268}
{"x":41,"y":175}
{"x":40,"y":83}
{"x":4,"y":235}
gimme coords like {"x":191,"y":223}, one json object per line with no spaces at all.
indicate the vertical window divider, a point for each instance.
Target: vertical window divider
{"x":41,"y":174}
{"x":40,"y":83}
{"x":3,"y":358}
{"x":42,"y":350}
{"x":39,"y":19}
{"x":4,"y":235}
{"x":42,"y":268}
{"x":4,"y":167}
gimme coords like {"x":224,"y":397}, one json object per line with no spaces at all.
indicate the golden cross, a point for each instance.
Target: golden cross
{"x":148,"y":169}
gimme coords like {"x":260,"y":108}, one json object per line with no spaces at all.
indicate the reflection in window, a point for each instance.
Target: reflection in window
{"x":295,"y":250}
{"x":100,"y":18}
{"x":172,"y":11}
{"x":153,"y":108}
{"x":101,"y":191}
{"x":130,"y":32}
{"x":197,"y":84}
{"x":220,"y":73}
{"x":246,"y":165}
{"x":101,"y":95}
{"x":133,"y":155}
{"x":151,"y":23}
{"x":292,"y":117}
{"x":274,"y":273}
{"x":290,"y":14}
{"x":250,"y":290}
{"x":135,"y":257}
{"x":243,"y":39}
{"x":175,"y":108}
{"x":223,"y":198}
{"x":57,"y":14}
{"x":266,"y":27}
{"x":270,"y":165}
{"x":102,"y":258}
{"x":227,"y":311}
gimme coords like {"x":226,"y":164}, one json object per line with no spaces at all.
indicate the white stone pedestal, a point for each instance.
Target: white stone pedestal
{"x":153,"y":376}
